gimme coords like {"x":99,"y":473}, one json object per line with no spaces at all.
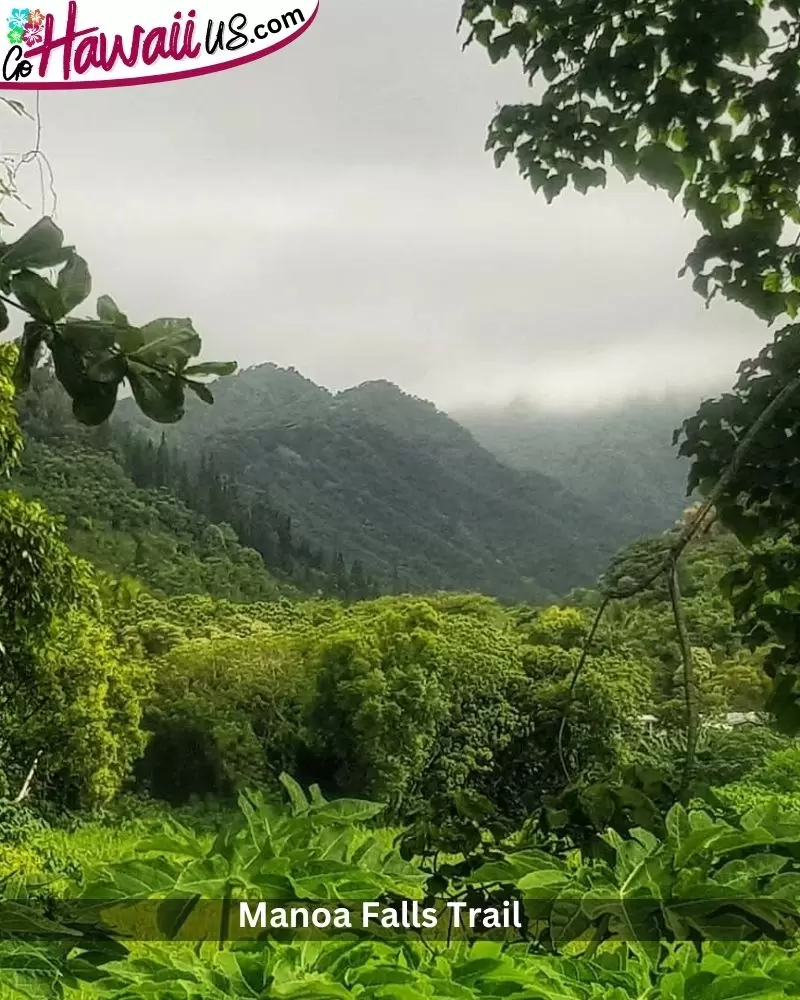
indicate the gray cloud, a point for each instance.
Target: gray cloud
{"x":331,"y":207}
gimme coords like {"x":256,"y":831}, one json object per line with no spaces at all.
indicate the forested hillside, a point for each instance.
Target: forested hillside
{"x":396,"y":484}
{"x":621,"y":460}
{"x":134,"y":508}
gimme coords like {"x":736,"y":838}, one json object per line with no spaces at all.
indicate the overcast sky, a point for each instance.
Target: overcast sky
{"x":331,"y":207}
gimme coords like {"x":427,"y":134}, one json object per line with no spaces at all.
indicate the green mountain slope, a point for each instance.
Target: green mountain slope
{"x":621,"y":460}
{"x":388,"y":480}
{"x":149,"y":535}
{"x":135,"y":507}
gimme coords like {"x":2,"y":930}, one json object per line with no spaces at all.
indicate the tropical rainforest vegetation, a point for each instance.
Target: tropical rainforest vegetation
{"x":306,"y":647}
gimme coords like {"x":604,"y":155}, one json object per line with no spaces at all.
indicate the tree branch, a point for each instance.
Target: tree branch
{"x":587,"y":645}
{"x":24,"y":792}
{"x":669,"y":566}
{"x":689,"y":680}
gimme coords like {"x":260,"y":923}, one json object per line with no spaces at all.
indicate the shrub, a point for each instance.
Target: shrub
{"x":226,"y":713}
{"x":722,"y":756}
{"x":780,"y":772}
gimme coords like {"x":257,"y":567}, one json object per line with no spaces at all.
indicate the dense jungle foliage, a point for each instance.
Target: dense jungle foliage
{"x":204,"y":698}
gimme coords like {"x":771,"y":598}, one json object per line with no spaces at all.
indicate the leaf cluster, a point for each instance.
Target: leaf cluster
{"x":92,"y":357}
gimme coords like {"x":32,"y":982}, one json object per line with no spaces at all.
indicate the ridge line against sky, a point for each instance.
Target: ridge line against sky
{"x":330,"y":209}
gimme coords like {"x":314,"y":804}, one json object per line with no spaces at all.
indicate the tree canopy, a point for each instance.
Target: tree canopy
{"x":700,"y":100}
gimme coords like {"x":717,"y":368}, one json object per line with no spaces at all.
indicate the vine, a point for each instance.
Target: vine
{"x":668,"y":568}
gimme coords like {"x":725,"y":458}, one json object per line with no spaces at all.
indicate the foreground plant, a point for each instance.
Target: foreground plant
{"x":654,"y":918}
{"x":93,"y":357}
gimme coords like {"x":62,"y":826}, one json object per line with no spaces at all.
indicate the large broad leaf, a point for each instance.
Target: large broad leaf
{"x":107,"y":368}
{"x":660,"y":166}
{"x":93,"y":399}
{"x":200,"y":390}
{"x":545,"y":879}
{"x":109,"y":312}
{"x":169,"y":343}
{"x":347,"y":810}
{"x":88,"y":335}
{"x":173,"y":913}
{"x":41,"y":246}
{"x":96,"y":405}
{"x":16,"y":918}
{"x":158,"y":395}
{"x":37,"y":296}
{"x":74,"y":283}
{"x":297,"y":796}
{"x":133,"y":879}
{"x":28,"y":971}
{"x":174,"y":840}
{"x":220,"y":368}
{"x":69,"y":367}
{"x":306,"y":989}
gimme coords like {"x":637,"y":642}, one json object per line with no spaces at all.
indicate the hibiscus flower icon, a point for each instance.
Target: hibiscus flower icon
{"x":18,"y":19}
{"x":15,"y":36}
{"x":35,"y":18}
{"x":32,"y":34}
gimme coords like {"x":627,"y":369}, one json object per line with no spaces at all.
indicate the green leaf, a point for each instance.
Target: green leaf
{"x":41,"y":246}
{"x":317,"y":798}
{"x":69,"y":367}
{"x":736,"y":111}
{"x":16,"y":918}
{"x":660,"y":167}
{"x":314,"y":989}
{"x":74,"y":283}
{"x":109,"y":312}
{"x":624,"y":159}
{"x":96,"y":404}
{"x":473,"y":805}
{"x":756,"y":43}
{"x":200,"y":390}
{"x":297,"y":796}
{"x":158,"y":395}
{"x":174,"y":840}
{"x":212,"y":368}
{"x":542,"y":879}
{"x":88,"y":335}
{"x":129,"y":339}
{"x":739,"y":986}
{"x":173,"y":913}
{"x":169,"y":343}
{"x":348,"y":810}
{"x":111,"y":368}
{"x":475,"y":969}
{"x":553,"y":186}
{"x":37,"y":296}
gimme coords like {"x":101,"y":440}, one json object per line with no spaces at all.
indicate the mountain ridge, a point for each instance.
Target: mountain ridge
{"x":392,"y":480}
{"x":621,"y":456}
